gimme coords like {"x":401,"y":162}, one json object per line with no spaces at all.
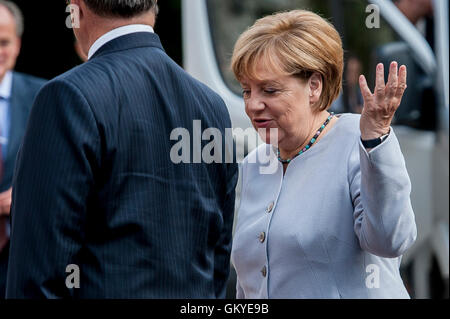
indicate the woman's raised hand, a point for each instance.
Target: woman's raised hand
{"x":380,"y":106}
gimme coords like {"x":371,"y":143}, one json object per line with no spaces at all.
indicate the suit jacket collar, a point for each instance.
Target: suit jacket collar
{"x":15,"y":112}
{"x":129,"y":41}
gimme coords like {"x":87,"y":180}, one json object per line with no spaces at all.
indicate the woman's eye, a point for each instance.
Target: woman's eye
{"x":245,"y":93}
{"x":270,"y":91}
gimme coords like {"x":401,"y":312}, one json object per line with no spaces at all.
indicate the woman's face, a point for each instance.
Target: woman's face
{"x":282,"y":102}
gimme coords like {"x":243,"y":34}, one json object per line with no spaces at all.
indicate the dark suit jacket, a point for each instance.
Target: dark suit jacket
{"x":95,"y":185}
{"x":24,"y":90}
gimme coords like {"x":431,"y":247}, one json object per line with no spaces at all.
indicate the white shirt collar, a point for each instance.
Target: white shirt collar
{"x":118,"y":32}
{"x":6,"y":85}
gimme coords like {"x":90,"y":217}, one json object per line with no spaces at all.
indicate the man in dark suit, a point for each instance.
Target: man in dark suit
{"x":17,"y":92}
{"x":100,"y":209}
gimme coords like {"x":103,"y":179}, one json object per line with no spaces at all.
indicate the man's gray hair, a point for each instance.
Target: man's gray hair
{"x":16,"y":13}
{"x":121,"y":8}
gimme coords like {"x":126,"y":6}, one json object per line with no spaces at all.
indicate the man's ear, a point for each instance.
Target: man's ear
{"x":315,"y":83}
{"x":81,"y":5}
{"x":77,"y":11}
{"x":75,"y":2}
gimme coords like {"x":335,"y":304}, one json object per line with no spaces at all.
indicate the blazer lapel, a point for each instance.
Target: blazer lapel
{"x":16,"y":121}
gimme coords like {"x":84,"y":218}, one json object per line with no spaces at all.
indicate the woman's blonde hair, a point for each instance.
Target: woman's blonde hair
{"x":295,"y":43}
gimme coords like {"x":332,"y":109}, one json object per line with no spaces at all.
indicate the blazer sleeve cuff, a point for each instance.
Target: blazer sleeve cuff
{"x":387,"y":153}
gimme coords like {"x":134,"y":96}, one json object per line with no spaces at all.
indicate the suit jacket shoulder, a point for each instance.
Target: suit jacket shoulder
{"x":30,"y":82}
{"x":24,"y":89}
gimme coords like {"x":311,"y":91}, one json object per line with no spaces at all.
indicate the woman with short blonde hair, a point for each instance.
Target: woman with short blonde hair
{"x":293,"y":43}
{"x":339,"y":202}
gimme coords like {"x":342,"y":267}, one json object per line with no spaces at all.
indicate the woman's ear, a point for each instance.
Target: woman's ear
{"x":315,"y":83}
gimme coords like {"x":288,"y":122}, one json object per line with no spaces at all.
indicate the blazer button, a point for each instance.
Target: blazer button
{"x":262,"y":237}
{"x":264,"y":271}
{"x":270,"y":207}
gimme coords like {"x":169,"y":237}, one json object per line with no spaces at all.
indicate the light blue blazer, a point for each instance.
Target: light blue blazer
{"x":334,"y":226}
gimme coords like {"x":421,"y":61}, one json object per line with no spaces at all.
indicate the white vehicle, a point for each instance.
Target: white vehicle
{"x":211,"y":27}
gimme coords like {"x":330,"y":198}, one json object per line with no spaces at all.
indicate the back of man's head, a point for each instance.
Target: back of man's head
{"x":121,"y":8}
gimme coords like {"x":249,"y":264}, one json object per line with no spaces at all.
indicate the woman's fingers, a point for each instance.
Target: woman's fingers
{"x":380,"y":84}
{"x":392,"y":84}
{"x":401,"y":83}
{"x":386,"y":97}
{"x":365,"y":91}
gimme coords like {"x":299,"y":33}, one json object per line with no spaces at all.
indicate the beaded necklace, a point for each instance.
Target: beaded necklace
{"x":307,"y":147}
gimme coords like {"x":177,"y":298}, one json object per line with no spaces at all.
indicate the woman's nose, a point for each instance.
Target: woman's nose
{"x":255,"y":104}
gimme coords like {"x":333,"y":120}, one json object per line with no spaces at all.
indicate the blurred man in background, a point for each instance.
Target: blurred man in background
{"x":352,"y":92}
{"x":17,"y":92}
